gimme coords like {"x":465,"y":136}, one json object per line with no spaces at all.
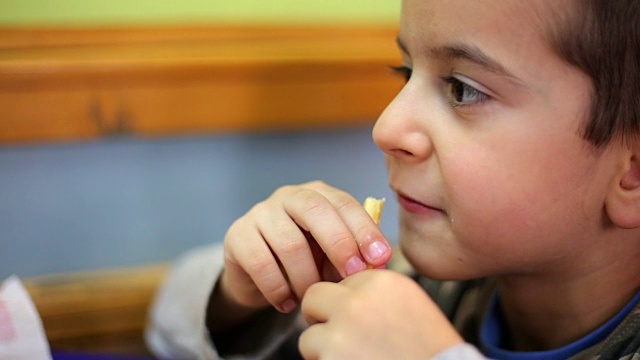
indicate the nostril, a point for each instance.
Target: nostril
{"x":401,"y":152}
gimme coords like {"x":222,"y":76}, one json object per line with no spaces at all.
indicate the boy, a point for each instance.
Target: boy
{"x":514,"y":155}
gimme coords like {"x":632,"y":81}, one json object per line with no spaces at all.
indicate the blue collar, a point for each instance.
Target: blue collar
{"x":491,"y":335}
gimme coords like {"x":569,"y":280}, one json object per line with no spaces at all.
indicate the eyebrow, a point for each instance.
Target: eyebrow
{"x":466,"y":52}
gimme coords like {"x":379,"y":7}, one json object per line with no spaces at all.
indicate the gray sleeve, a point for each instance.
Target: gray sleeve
{"x":175,"y":326}
{"x":176,"y":323}
{"x":463,"y":351}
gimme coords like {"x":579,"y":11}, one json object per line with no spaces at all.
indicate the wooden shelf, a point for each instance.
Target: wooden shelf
{"x":75,"y":84}
{"x":97,"y":311}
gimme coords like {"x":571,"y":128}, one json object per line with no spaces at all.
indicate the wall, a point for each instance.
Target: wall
{"x":129,"y":201}
{"x":79,"y":12}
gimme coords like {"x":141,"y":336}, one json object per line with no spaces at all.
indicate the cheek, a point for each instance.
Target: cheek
{"x":518,"y":200}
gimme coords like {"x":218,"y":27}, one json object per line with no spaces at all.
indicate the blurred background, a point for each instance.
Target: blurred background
{"x":132,"y":131}
{"x":126,"y":12}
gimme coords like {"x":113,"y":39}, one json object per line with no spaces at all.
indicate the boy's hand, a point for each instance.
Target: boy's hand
{"x":376,"y":314}
{"x":297,"y":237}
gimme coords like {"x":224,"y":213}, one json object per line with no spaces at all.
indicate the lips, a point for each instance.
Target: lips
{"x":415,"y":206}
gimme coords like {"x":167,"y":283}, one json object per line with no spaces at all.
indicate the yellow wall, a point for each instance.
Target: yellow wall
{"x":114,"y":12}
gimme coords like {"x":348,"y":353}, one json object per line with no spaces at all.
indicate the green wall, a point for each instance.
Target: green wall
{"x":127,"y":12}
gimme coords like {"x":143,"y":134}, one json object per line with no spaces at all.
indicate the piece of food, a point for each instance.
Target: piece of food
{"x":374,"y":208}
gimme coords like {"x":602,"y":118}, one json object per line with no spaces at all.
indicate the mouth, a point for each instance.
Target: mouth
{"x":414,"y":206}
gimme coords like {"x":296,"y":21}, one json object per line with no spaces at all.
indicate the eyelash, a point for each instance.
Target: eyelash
{"x":404,"y":71}
{"x":452,"y":83}
{"x":459,"y":88}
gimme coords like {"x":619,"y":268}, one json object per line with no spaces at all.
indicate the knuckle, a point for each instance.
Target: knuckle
{"x":267,"y":276}
{"x":259,"y":209}
{"x":276,"y":292}
{"x":338,"y":240}
{"x":292,"y":247}
{"x":283,"y":190}
{"x":287,"y":190}
{"x":337,"y":340}
{"x":263,"y":266}
{"x":313,"y":291}
{"x":317,"y":184}
{"x":305,"y":345}
{"x":347,"y":203}
{"x":234,"y":230}
{"x":308,"y":199}
{"x":314,"y":203}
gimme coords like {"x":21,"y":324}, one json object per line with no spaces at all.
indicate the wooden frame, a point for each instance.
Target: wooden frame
{"x":78,"y":84}
{"x":102,"y":311}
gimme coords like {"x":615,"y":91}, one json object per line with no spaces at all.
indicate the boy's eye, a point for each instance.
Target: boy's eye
{"x":403,"y":71}
{"x":461,"y":94}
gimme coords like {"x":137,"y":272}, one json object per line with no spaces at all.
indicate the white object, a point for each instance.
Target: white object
{"x":22,"y":335}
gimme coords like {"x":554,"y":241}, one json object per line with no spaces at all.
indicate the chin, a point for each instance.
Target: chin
{"x":433,"y":263}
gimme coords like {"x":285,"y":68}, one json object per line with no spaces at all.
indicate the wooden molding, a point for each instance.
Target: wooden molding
{"x":97,"y":311}
{"x":78,"y":84}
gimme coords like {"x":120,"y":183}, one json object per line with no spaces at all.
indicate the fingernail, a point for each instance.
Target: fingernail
{"x":354,"y":265}
{"x":376,"y":249}
{"x":288,"y":306}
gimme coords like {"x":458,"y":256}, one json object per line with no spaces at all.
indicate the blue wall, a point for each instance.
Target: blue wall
{"x":125,"y":202}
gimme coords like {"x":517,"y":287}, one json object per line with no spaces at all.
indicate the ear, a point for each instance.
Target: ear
{"x":623,"y":200}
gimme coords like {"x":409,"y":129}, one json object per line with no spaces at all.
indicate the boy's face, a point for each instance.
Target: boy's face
{"x":484,"y":143}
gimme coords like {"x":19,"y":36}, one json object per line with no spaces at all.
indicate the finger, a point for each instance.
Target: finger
{"x":292,"y":249}
{"x":255,"y":258}
{"x":378,"y":251}
{"x":320,"y":301}
{"x":313,"y":212}
{"x":327,"y":270}
{"x":311,"y":341}
{"x":372,"y":244}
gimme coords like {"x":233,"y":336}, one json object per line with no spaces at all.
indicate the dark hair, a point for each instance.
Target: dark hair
{"x":602,"y":38}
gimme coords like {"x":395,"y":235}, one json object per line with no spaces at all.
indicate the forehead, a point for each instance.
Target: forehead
{"x":512,"y":24}
{"x":512,"y":33}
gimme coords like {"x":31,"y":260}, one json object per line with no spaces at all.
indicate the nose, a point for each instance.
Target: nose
{"x":401,"y":131}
